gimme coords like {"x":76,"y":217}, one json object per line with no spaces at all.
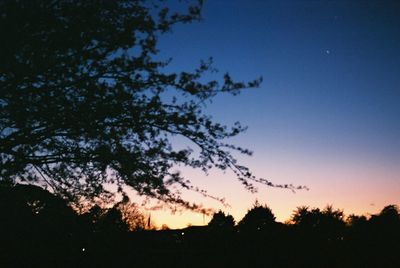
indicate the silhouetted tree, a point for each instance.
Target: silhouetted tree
{"x":38,"y":228}
{"x":123,"y":216}
{"x":383,"y":236}
{"x":302,"y":216}
{"x":326,"y":224}
{"x":333,"y":223}
{"x":221,"y":221}
{"x":390,"y":214}
{"x":258,"y":218}
{"x":112,"y":221}
{"x":356,"y":221}
{"x":387,"y":221}
{"x":85,"y":100}
{"x":133,"y":217}
{"x":358,"y":229}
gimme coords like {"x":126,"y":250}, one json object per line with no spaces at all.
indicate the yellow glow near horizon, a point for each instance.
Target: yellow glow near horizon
{"x":353,"y":187}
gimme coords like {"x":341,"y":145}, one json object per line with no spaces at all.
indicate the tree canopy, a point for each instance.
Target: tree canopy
{"x":221,"y":221}
{"x":258,"y":218}
{"x":85,"y":101}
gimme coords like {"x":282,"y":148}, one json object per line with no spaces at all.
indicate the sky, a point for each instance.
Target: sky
{"x":326,"y":115}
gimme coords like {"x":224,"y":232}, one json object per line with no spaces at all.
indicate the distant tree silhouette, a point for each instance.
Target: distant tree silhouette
{"x":113,"y":220}
{"x":387,"y":221}
{"x":221,"y":221}
{"x":40,"y":229}
{"x":390,"y":214}
{"x":333,"y":223}
{"x":258,"y":218}
{"x":122,"y":217}
{"x":358,"y":229}
{"x":302,"y":216}
{"x":356,"y":221}
{"x":133,"y":217}
{"x":327,"y":223}
{"x":83,"y":101}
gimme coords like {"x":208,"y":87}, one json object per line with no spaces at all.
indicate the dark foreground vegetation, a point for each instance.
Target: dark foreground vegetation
{"x":38,"y":229}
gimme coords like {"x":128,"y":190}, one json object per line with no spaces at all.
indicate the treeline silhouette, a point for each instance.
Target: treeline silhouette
{"x":38,"y":229}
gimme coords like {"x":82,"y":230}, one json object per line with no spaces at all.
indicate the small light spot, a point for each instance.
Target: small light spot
{"x":183,"y":233}
{"x":328,"y":51}
{"x":83,"y":249}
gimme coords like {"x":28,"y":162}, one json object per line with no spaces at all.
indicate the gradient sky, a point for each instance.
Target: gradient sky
{"x":327,"y":114}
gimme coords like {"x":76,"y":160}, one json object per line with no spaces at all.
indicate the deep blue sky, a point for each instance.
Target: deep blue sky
{"x":327,"y":114}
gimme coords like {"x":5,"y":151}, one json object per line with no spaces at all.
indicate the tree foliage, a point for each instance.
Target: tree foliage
{"x":258,"y":218}
{"x":85,"y":101}
{"x":123,"y":216}
{"x":388,"y":217}
{"x":221,"y":221}
{"x":314,"y":218}
{"x":327,"y":223}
